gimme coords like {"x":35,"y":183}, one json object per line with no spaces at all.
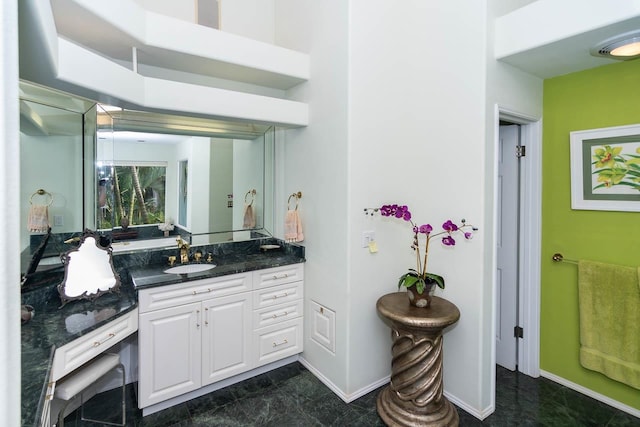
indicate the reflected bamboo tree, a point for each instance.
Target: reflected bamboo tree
{"x":139,"y":194}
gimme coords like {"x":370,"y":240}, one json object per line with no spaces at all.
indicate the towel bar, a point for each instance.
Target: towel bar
{"x":558,"y":257}
{"x":296,"y":196}
{"x":251,"y":192}
{"x":42,"y":192}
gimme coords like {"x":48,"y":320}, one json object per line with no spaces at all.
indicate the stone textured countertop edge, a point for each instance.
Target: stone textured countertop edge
{"x":154,"y":276}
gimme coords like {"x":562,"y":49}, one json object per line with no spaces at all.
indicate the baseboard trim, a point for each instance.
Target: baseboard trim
{"x":588,"y":392}
{"x":481,"y":415}
{"x":347,"y":398}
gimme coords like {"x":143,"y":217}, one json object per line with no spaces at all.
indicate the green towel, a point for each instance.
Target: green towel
{"x":610,"y":320}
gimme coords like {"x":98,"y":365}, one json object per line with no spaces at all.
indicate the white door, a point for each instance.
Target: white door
{"x":226,"y":337}
{"x":169,"y":351}
{"x":507,"y":242}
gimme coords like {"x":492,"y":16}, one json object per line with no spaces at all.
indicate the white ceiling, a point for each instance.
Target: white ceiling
{"x":564,"y":55}
{"x":570,"y":54}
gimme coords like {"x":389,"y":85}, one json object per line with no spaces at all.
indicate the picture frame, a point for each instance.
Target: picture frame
{"x":605,"y":169}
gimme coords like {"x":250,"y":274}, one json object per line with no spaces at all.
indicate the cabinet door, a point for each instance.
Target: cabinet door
{"x":226,"y":337}
{"x":169,"y":353}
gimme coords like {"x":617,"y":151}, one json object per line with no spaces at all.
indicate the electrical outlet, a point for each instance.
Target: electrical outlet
{"x":58,"y":220}
{"x":368,"y":237}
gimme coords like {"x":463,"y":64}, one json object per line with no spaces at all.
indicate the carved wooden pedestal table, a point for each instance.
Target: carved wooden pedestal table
{"x":414,"y":396}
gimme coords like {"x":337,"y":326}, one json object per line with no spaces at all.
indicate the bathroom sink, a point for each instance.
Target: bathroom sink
{"x":189,"y":268}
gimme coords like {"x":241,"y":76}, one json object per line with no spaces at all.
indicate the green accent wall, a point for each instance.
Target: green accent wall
{"x":601,"y":97}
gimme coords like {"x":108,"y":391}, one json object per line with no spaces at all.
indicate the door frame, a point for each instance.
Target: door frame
{"x":530,"y":236}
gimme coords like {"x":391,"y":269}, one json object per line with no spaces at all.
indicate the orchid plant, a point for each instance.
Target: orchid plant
{"x":420,"y":277}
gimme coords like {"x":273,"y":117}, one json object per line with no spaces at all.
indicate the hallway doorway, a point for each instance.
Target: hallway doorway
{"x":507,"y":279}
{"x":517,"y":275}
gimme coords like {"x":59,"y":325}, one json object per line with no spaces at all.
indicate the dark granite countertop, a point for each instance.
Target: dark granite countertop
{"x":153,"y":275}
{"x":53,"y":327}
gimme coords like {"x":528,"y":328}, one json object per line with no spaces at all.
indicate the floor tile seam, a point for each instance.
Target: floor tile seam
{"x":249,"y":415}
{"x":238,"y":397}
{"x":219,"y":408}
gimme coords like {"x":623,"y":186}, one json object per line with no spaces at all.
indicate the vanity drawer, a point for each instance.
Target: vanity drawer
{"x":277,"y":295}
{"x":184,"y":293}
{"x":78,"y":352}
{"x":278,"y":275}
{"x":277,"y":313}
{"x":278,"y":341}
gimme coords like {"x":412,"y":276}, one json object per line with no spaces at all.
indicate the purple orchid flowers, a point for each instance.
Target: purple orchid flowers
{"x":449,"y":229}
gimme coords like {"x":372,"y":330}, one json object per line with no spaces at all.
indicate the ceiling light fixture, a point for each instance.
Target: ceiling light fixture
{"x":624,"y":46}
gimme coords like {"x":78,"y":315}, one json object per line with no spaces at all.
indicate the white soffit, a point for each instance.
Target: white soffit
{"x":548,"y":38}
{"x":113,"y":28}
{"x":53,"y":60}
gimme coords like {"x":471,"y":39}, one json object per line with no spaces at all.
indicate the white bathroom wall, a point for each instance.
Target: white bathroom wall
{"x":221,"y":184}
{"x":9,"y":217}
{"x":249,"y":18}
{"x":417,"y":127}
{"x":409,"y":124}
{"x":181,"y":9}
{"x":58,"y":173}
{"x":316,"y":163}
{"x":197,"y":151}
{"x":248,"y":174}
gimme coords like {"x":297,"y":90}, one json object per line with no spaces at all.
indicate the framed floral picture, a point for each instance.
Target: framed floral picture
{"x":605,"y":169}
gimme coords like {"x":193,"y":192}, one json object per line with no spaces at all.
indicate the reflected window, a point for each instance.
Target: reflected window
{"x":131,"y":193}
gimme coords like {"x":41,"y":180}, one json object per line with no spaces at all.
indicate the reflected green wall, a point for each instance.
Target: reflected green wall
{"x":601,"y":97}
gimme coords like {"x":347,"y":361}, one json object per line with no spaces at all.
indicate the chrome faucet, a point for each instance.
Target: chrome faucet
{"x":184,"y":250}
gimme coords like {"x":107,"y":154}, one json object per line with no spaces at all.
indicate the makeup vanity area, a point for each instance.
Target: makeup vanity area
{"x":211,"y":327}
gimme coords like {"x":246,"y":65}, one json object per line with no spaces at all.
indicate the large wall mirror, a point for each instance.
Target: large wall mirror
{"x":200,"y":175}
{"x":103,"y":167}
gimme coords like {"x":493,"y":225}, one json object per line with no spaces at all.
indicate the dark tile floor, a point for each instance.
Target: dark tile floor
{"x":292,"y":396}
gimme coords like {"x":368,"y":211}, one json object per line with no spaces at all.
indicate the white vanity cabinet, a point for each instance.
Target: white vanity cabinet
{"x":277,"y":317}
{"x":169,"y":352}
{"x":226,"y":337}
{"x":180,"y":325}
{"x":197,"y":333}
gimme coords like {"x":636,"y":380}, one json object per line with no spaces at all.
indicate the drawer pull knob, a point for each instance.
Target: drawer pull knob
{"x":280,"y":296}
{"x":97,"y":343}
{"x":202,"y":292}
{"x":275,"y":344}
{"x":279,"y":315}
{"x":284,"y":276}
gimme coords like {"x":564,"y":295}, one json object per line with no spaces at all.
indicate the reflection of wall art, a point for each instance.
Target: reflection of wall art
{"x":605,"y":169}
